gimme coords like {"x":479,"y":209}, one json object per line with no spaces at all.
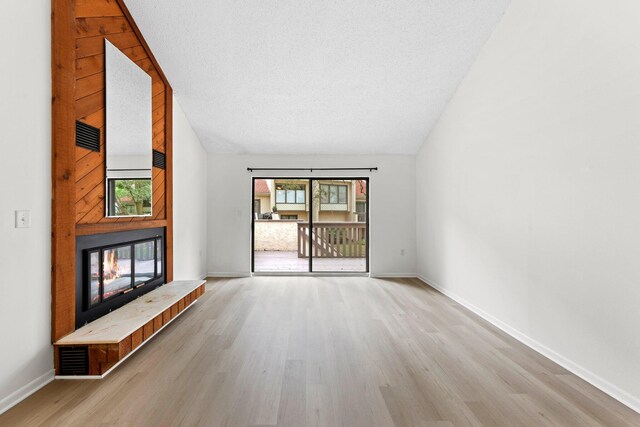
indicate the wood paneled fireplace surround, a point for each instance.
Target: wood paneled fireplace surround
{"x":100,"y":315}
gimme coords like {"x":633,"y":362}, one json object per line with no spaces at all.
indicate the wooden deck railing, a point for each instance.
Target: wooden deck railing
{"x":333,"y":239}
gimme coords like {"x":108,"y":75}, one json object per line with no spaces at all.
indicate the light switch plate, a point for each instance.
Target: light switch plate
{"x":23,"y":219}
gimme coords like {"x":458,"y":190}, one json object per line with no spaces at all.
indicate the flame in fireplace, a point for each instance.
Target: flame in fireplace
{"x":110,"y":267}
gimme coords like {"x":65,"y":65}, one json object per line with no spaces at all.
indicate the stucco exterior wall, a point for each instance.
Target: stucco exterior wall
{"x":265,"y":203}
{"x":276,"y":235}
{"x":335,"y":216}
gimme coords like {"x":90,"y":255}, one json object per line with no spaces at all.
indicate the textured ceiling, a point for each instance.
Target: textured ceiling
{"x":312,"y":76}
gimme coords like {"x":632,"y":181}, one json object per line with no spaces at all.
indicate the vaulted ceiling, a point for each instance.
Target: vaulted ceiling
{"x":313,"y":76}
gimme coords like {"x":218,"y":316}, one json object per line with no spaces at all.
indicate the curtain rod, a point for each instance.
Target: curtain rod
{"x":313,"y":169}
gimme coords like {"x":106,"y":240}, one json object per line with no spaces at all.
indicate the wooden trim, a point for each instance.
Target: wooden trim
{"x":143,"y":42}
{"x":67,"y":15}
{"x":63,"y":56}
{"x":168,"y":103}
{"x":109,"y":227}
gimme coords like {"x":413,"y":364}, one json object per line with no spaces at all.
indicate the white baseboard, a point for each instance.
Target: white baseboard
{"x":306,"y":274}
{"x":612,"y":390}
{"x":379,"y":275}
{"x":25,"y":391}
{"x":228,"y":274}
{"x":394,"y":275}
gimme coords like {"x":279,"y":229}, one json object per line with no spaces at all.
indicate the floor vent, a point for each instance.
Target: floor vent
{"x":73,"y":360}
{"x":87,"y":136}
{"x":159,"y":160}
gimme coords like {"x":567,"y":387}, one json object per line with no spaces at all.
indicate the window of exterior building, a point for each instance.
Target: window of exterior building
{"x":288,"y":216}
{"x":333,"y":194}
{"x":361,"y":211}
{"x":290,"y":193}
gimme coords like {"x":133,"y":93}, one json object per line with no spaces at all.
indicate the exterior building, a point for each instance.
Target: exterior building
{"x":333,"y":200}
{"x":262,"y":197}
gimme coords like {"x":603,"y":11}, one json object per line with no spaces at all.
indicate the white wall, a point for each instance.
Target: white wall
{"x":392,"y":208}
{"x":189,"y":200}
{"x":25,"y":184}
{"x":528,"y":188}
{"x":26,"y":359}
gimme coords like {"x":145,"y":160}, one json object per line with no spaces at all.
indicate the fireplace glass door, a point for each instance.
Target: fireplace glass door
{"x":159,"y":258}
{"x":116,"y":268}
{"x":123,"y":269}
{"x":94,"y":268}
{"x":116,"y":274}
{"x":144,"y":262}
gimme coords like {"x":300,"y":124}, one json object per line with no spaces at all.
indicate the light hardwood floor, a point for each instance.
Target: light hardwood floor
{"x":327,"y":351}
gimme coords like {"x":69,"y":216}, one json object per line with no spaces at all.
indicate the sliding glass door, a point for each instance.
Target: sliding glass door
{"x":310,"y":225}
{"x":284,"y":205}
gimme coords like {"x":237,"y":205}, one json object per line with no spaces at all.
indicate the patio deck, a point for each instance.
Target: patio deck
{"x":282,"y":261}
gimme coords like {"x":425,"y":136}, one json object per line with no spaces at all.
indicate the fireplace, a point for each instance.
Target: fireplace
{"x":115,"y":268}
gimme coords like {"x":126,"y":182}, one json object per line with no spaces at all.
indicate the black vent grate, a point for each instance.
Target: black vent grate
{"x":159,"y":160}
{"x":87,"y":136}
{"x":73,"y":360}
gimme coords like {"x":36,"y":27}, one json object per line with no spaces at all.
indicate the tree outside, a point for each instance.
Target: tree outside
{"x":133,"y":196}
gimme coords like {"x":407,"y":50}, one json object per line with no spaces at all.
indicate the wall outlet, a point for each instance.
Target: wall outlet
{"x":23,"y":219}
